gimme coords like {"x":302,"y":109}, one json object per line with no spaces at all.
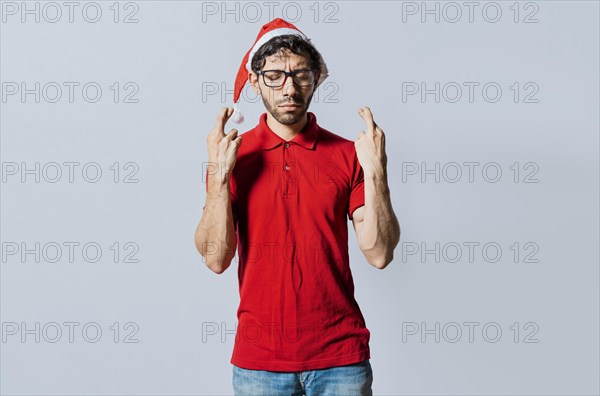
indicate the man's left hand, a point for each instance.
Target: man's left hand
{"x":370,"y":146}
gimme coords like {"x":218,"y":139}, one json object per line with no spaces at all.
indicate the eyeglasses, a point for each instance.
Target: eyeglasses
{"x":276,"y":78}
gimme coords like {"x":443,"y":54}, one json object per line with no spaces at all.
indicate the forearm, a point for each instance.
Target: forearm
{"x":215,"y":236}
{"x":380,"y":231}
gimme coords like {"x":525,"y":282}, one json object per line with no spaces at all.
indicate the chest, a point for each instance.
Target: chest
{"x":292,"y":178}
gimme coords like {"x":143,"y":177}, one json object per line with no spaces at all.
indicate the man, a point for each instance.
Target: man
{"x":281,"y":193}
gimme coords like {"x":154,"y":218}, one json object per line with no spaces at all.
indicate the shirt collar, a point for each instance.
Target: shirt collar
{"x":306,"y":138}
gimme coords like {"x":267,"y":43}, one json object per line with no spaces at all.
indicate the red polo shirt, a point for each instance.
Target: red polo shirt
{"x":292,"y":201}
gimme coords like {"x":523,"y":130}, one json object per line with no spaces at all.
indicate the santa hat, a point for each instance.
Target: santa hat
{"x":276,"y":27}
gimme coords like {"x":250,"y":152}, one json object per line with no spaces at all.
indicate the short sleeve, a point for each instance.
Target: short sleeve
{"x":357,"y":187}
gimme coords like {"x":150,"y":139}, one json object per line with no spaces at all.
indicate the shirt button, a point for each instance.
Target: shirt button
{"x":287,"y":167}
{"x":286,"y":145}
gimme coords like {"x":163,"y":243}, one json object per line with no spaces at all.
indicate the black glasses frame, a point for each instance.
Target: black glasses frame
{"x":288,"y":74}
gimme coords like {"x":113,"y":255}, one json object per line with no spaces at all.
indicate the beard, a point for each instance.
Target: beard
{"x":285,"y":117}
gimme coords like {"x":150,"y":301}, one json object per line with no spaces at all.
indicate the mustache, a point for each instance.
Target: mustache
{"x":290,"y":101}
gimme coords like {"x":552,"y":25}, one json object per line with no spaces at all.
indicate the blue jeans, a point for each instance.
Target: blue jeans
{"x":352,"y":380}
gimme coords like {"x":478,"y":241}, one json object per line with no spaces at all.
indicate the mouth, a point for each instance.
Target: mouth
{"x":290,"y":106}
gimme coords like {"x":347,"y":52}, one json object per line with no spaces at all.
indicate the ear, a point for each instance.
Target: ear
{"x":317,"y":76}
{"x":253,"y":80}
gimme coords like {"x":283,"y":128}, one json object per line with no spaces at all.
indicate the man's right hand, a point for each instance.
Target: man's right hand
{"x":223,"y":148}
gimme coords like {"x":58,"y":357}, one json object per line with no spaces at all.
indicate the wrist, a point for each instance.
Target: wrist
{"x":217,"y":184}
{"x":377,"y":182}
{"x":375,"y":174}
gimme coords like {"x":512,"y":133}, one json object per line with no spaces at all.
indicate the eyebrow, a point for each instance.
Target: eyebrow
{"x":280,"y":67}
{"x":304,"y":67}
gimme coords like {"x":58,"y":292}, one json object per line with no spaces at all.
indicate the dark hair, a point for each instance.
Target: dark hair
{"x":292,"y":42}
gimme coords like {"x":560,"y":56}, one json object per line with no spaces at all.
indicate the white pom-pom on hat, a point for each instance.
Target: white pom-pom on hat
{"x":237,"y":116}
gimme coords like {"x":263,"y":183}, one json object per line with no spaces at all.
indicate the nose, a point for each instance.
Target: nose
{"x":289,"y":87}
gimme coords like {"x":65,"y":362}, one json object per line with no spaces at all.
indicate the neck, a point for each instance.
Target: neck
{"x":286,"y":132}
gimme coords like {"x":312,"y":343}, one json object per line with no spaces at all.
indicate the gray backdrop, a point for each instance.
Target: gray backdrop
{"x":490,"y":111}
